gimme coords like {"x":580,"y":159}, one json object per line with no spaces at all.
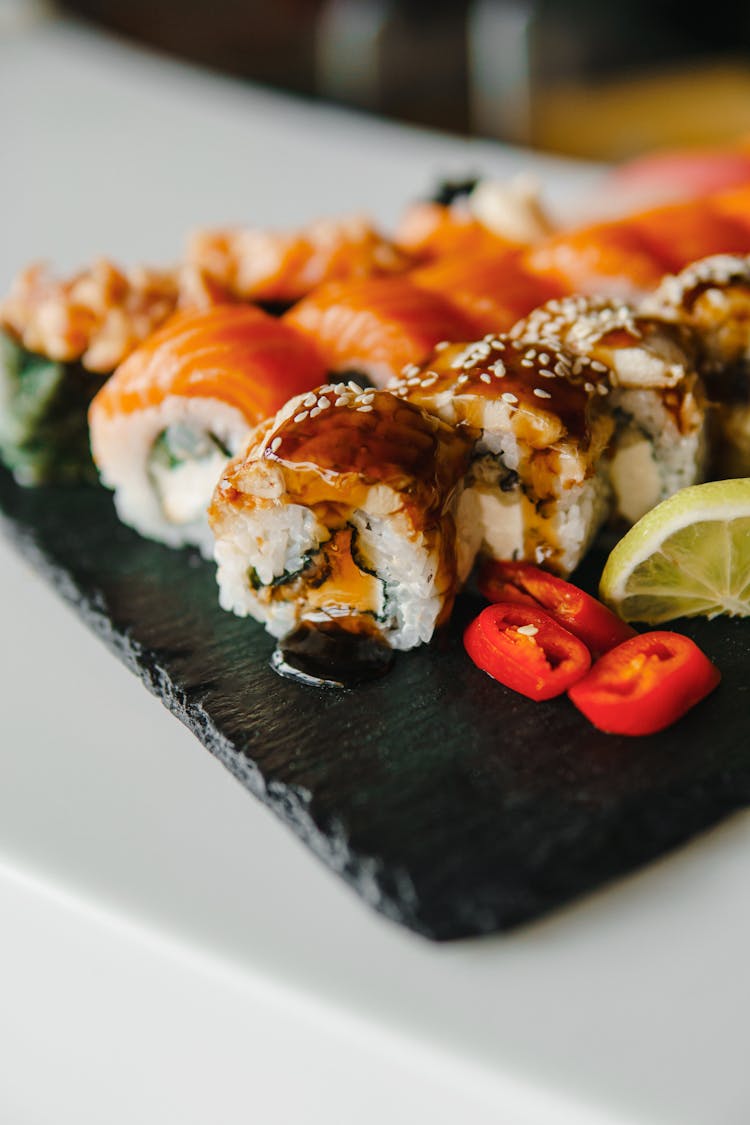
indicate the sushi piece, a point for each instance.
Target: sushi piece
{"x":478,"y":217}
{"x":684,"y":232}
{"x":611,"y":259}
{"x":280,"y":268}
{"x":492,"y":291}
{"x":711,"y":298}
{"x":340,"y":511}
{"x":165,"y":424}
{"x":656,"y":399}
{"x":536,"y":488}
{"x":60,"y":340}
{"x":377,"y":326}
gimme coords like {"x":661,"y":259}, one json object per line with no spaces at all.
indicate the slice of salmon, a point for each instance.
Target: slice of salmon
{"x":262,"y":265}
{"x":685,"y":232}
{"x":234,"y":353}
{"x":493,"y":291}
{"x":609,"y":259}
{"x":431,"y":231}
{"x":377,"y":326}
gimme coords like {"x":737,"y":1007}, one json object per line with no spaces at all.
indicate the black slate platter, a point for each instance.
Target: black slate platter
{"x":448,"y":803}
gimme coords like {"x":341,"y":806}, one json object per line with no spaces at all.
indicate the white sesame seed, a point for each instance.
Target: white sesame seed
{"x":462,"y":379}
{"x":546,"y":374}
{"x":354,"y":387}
{"x":527,"y":630}
{"x":588,"y":387}
{"x":323,"y":403}
{"x":363,"y":409}
{"x":597,"y":366}
{"x":603,"y":389}
{"x":543,"y":357}
{"x":275,"y":444}
{"x":309,"y":400}
{"x":442,"y":345}
{"x":508,"y":397}
{"x":342,"y":400}
{"x":410,"y":369}
{"x":365,"y":399}
{"x":527,"y":363}
{"x":485,"y":377}
{"x":301,"y":416}
{"x":414,"y":381}
{"x":315,"y":412}
{"x":541,"y":393}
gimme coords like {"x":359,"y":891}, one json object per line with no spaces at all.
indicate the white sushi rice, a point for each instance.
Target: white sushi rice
{"x":122,"y":447}
{"x":274,"y":538}
{"x":652,"y":458}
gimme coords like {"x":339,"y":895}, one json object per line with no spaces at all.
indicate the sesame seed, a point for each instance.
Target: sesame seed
{"x":589,"y":387}
{"x":323,"y":403}
{"x":462,"y":379}
{"x":363,"y":409}
{"x":414,"y":381}
{"x":509,"y":397}
{"x":597,"y":366}
{"x":603,"y":389}
{"x":309,"y":400}
{"x":354,"y":387}
{"x":543,"y":357}
{"x":365,"y":399}
{"x":275,"y":444}
{"x":485,"y":377}
{"x":315,"y":412}
{"x":526,"y":363}
{"x":541,"y":394}
{"x":527,"y":630}
{"x":442,"y":345}
{"x":342,"y":400}
{"x":546,"y":374}
{"x":301,"y":416}
{"x":410,"y":369}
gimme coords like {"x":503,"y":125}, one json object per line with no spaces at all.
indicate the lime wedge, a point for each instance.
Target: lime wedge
{"x":688,"y":557}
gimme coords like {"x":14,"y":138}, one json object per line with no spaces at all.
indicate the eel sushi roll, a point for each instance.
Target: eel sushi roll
{"x":339,"y":512}
{"x":536,"y":488}
{"x":165,"y":424}
{"x":655,"y":393}
{"x":711,"y":298}
{"x":59,"y":341}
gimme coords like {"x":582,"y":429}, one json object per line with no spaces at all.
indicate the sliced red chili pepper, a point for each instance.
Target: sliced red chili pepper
{"x":645,"y":684}
{"x":526,"y":650}
{"x":593,"y":623}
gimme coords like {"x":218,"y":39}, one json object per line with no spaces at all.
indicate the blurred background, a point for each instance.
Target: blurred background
{"x":589,"y":79}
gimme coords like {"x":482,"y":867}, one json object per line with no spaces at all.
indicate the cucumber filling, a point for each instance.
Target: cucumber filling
{"x":185,"y":464}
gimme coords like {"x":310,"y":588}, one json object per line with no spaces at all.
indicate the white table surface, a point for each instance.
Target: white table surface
{"x":169,"y":951}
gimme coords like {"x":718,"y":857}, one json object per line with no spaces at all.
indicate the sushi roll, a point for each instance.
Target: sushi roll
{"x":59,"y":340}
{"x":492,"y":291}
{"x":711,"y":298}
{"x":536,"y":488}
{"x":474,"y":217}
{"x":165,"y":424}
{"x":280,"y":268}
{"x":655,"y":393}
{"x":376,"y":326}
{"x":340,"y":509}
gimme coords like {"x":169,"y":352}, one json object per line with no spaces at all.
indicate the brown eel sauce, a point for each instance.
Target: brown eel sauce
{"x":333,"y":653}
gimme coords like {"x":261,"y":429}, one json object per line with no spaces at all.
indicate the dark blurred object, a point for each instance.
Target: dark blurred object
{"x":591,"y":79}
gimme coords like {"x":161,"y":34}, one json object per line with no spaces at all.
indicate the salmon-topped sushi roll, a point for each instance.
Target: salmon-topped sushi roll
{"x":711,"y":298}
{"x":492,"y":291}
{"x":340,"y":510}
{"x":609,"y":259}
{"x":482,"y":217}
{"x":281,"y":267}
{"x":535,"y":489}
{"x":60,"y":338}
{"x":166,"y":423}
{"x":377,"y":326}
{"x":648,"y":366}
{"x":684,"y":232}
